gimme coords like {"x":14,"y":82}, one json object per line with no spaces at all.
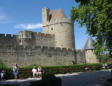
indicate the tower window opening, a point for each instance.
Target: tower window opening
{"x":51,"y":28}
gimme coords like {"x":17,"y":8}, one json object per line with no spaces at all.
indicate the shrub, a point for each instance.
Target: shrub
{"x":2,"y":65}
{"x":27,"y":71}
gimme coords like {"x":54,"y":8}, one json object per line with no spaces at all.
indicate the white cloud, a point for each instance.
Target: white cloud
{"x":28,"y":26}
{"x":3,"y":17}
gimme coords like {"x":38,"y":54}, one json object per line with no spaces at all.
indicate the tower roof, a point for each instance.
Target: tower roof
{"x":89,"y":44}
{"x":57,"y":14}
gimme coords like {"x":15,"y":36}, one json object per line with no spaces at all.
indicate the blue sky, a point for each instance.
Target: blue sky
{"x":17,"y":15}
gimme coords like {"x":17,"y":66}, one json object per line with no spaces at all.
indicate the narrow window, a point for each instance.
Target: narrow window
{"x":51,"y":28}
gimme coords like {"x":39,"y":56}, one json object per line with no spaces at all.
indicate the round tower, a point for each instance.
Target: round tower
{"x":59,"y":25}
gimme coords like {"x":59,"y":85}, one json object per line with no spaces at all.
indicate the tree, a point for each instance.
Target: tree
{"x":97,"y":16}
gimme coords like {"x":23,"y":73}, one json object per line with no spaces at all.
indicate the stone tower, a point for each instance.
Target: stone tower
{"x":89,"y":54}
{"x":26,"y":38}
{"x":55,"y":22}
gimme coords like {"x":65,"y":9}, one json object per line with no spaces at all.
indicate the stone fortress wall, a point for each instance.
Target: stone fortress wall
{"x":26,"y":39}
{"x":8,"y":40}
{"x":55,"y":46}
{"x":29,"y":38}
{"x":24,"y":50}
{"x":13,"y":51}
{"x":24,"y":56}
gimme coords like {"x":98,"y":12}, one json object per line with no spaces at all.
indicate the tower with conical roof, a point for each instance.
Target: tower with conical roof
{"x":89,"y":51}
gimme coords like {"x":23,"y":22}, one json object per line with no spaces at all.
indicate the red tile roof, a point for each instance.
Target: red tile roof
{"x":57,"y":14}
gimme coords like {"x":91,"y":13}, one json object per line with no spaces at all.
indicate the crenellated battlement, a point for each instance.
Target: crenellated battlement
{"x":44,"y":47}
{"x":55,"y":48}
{"x":14,"y":36}
{"x":47,"y":48}
{"x":5,"y":36}
{"x":45,"y":35}
{"x":2,"y":35}
{"x":30,"y":34}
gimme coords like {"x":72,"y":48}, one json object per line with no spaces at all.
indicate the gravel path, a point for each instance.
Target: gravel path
{"x":85,"y":78}
{"x":22,"y":82}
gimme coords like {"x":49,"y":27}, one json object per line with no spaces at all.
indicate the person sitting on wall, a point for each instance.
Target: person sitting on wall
{"x":2,"y":74}
{"x":34,"y":70}
{"x":15,"y":71}
{"x":86,"y":68}
{"x":106,"y":66}
{"x":103,"y":66}
{"x":39,"y":72}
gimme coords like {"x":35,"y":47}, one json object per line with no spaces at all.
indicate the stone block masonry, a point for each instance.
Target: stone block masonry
{"x":48,"y":56}
{"x":55,"y":46}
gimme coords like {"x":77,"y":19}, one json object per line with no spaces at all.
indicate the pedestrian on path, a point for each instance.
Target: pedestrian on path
{"x":15,"y":71}
{"x":2,"y":74}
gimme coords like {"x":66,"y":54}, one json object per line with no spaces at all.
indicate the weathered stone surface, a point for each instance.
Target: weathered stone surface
{"x":56,"y":23}
{"x":36,"y":55}
{"x":53,"y":47}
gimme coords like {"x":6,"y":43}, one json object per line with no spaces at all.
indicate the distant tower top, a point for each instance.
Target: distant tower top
{"x":45,"y":15}
{"x":25,"y":34}
{"x":57,"y":14}
{"x":89,"y":44}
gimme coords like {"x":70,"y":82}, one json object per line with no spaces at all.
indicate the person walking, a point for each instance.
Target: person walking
{"x":2,"y":74}
{"x":15,"y":71}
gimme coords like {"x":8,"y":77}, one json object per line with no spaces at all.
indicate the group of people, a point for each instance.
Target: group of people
{"x":15,"y":72}
{"x":105,"y":66}
{"x":36,"y":72}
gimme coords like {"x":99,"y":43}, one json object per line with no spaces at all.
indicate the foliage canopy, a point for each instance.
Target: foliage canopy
{"x":97,"y":16}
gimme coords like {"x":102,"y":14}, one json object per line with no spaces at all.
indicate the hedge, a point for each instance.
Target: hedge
{"x":26,"y":72}
{"x":71,"y":68}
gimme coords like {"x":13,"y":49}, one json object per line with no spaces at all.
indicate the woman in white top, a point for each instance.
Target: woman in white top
{"x":34,"y":70}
